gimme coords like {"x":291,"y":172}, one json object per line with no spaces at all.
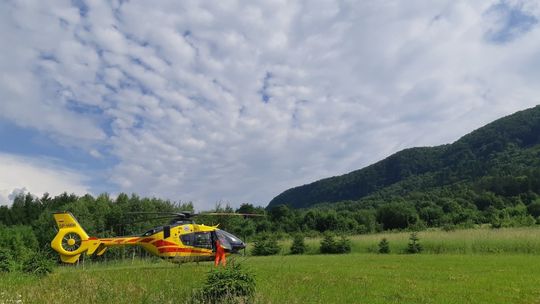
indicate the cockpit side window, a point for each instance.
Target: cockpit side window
{"x":197,"y":239}
{"x":187,"y":239}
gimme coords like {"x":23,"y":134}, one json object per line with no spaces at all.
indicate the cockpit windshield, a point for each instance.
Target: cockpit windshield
{"x":229,"y":241}
{"x":223,"y":240}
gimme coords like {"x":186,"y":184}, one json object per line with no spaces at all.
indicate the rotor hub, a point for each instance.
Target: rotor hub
{"x":71,"y":242}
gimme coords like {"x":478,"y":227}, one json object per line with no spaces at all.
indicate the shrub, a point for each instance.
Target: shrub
{"x":330,"y":245}
{"x":414,"y":245}
{"x":298,"y":246}
{"x":265,"y":245}
{"x":7,"y":264}
{"x":449,"y":227}
{"x":38,"y":263}
{"x":226,"y":285}
{"x":534,"y":208}
{"x":343,"y":245}
{"x":384,"y":246}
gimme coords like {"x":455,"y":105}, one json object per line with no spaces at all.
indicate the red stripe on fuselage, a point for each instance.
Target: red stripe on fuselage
{"x":163,"y":243}
{"x":178,"y":249}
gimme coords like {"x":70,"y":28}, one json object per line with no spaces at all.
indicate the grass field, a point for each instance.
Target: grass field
{"x":354,"y":278}
{"x":473,"y":272}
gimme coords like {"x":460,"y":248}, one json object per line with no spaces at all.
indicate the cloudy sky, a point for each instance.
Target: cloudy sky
{"x":236,"y":101}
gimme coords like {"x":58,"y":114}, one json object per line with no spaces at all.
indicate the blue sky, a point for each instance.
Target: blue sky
{"x":232,"y":102}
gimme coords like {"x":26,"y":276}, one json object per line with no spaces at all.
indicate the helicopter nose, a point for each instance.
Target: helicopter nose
{"x":237,"y":247}
{"x":235,"y":242}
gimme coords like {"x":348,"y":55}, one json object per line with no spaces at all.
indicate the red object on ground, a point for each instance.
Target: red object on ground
{"x":220,"y":255}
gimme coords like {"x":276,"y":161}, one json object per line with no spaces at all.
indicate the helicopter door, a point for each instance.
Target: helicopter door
{"x":166,"y":232}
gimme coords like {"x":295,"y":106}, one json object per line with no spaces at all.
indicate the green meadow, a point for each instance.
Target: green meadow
{"x":466,"y":266}
{"x":524,"y":240}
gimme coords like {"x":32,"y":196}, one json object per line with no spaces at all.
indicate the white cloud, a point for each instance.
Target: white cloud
{"x":37,"y":176}
{"x":239,"y":101}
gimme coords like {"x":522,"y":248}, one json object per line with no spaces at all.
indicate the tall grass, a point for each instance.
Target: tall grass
{"x":468,"y":241}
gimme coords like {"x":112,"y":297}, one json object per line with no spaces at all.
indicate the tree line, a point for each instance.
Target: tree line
{"x":27,"y":225}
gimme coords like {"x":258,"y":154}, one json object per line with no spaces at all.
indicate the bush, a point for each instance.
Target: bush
{"x":7,"y":264}
{"x":449,"y":227}
{"x":343,"y":245}
{"x":226,"y":285}
{"x":265,"y":245}
{"x":330,"y":245}
{"x":384,"y":246}
{"x":298,"y":246}
{"x":414,"y":245}
{"x":38,"y":263}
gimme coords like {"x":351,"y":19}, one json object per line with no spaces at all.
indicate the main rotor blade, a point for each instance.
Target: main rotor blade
{"x":170,"y":213}
{"x":229,"y":213}
{"x":170,"y":217}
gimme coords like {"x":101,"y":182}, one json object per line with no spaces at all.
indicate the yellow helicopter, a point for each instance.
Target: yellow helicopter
{"x":181,"y":240}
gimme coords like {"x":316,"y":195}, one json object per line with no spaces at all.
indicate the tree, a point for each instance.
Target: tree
{"x":384,"y":246}
{"x":330,"y":245}
{"x":249,"y":209}
{"x":343,"y":245}
{"x":265,"y":245}
{"x":396,"y":215}
{"x":534,"y":208}
{"x":298,"y":246}
{"x":414,"y":245}
{"x":278,"y":213}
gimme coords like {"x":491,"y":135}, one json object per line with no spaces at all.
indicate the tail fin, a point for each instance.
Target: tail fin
{"x":71,"y":239}
{"x":66,"y":220}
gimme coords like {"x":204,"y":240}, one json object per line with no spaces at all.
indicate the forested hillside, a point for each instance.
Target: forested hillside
{"x":501,"y":158}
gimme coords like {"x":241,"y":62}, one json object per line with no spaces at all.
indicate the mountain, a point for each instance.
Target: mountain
{"x":507,"y":147}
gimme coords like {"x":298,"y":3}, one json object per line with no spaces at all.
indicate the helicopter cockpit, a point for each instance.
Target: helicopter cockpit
{"x":207,"y":240}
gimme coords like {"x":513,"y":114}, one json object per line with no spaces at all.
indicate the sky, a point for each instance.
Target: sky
{"x":236,"y":101}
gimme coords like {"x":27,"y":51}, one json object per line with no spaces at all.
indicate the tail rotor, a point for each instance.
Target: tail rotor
{"x":71,"y":240}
